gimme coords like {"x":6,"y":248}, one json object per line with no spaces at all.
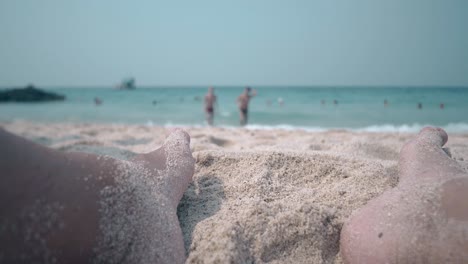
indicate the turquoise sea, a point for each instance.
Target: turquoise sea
{"x":357,"y":108}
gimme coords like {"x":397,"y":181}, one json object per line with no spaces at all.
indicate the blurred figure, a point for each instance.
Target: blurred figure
{"x":155,"y":102}
{"x":280,"y":101}
{"x":442,"y":106}
{"x":419,"y":105}
{"x":322,"y":102}
{"x":268,"y":102}
{"x":335,"y":102}
{"x":243,"y":104}
{"x":210,"y":100}
{"x":97,"y":101}
{"x":385,"y":103}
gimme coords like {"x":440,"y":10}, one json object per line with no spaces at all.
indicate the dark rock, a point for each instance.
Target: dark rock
{"x":29,"y":94}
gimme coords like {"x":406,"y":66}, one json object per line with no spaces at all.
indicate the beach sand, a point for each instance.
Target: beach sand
{"x":259,"y":196}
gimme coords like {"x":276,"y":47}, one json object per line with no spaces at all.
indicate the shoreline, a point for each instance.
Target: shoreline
{"x":259,"y":195}
{"x":459,"y":128}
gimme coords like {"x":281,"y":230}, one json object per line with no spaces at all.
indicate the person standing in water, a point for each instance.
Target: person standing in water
{"x":210,"y":101}
{"x":243,"y":104}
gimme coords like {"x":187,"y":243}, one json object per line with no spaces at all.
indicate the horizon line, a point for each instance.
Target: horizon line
{"x":239,"y":86}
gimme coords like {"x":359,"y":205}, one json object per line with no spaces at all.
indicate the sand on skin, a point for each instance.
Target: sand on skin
{"x":259,"y":196}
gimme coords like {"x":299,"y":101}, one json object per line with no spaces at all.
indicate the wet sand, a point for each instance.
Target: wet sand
{"x":259,"y":195}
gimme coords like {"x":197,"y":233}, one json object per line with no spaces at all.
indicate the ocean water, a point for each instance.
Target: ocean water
{"x":357,"y":108}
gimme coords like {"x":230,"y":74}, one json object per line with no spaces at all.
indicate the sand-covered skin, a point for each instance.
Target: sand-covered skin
{"x":259,"y":196}
{"x":138,"y":219}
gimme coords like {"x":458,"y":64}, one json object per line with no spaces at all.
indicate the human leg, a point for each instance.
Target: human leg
{"x":209,"y":117}
{"x":243,"y":116}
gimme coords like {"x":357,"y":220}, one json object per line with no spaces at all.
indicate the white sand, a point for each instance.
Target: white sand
{"x":259,"y":196}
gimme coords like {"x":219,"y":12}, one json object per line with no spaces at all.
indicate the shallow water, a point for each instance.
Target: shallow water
{"x":357,"y":108}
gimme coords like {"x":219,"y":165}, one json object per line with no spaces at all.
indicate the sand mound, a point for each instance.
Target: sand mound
{"x":274,"y":206}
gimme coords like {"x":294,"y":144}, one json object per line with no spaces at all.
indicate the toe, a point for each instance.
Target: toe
{"x":423,"y":157}
{"x":179,"y":135}
{"x":180,"y":163}
{"x":178,"y":141}
{"x":433,"y":135}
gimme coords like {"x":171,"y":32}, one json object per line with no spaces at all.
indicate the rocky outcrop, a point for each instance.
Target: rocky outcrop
{"x":29,"y":94}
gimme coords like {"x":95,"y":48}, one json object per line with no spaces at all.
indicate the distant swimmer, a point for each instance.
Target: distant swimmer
{"x":243,"y":104}
{"x":322,"y":102}
{"x":385,"y":103}
{"x":419,"y":105}
{"x":97,"y":101}
{"x":280,"y":101}
{"x":210,"y":101}
{"x":155,"y":102}
{"x":335,"y":102}
{"x":441,"y":106}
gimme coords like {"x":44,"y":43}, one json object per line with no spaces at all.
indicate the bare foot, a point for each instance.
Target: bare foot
{"x":77,"y":208}
{"x":423,"y":220}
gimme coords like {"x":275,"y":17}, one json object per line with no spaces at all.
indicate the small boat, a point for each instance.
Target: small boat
{"x":127,"y":84}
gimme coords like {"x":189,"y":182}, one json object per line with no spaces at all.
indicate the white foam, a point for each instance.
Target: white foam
{"x":404,"y":128}
{"x":285,"y":127}
{"x":414,"y":128}
{"x":457,"y":127}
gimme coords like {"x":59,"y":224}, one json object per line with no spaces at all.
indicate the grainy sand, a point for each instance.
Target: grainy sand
{"x":259,"y":196}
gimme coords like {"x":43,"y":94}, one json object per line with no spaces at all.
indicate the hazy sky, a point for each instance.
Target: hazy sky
{"x":268,"y":42}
